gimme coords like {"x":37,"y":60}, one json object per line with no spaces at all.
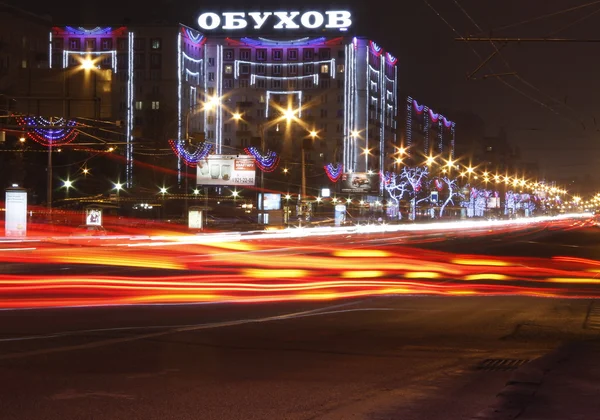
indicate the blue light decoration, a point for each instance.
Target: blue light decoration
{"x":88,"y":32}
{"x":418,"y":108}
{"x":274,"y":43}
{"x":266,"y":163}
{"x":195,"y":38}
{"x":334,"y":172}
{"x":191,"y":159}
{"x":49,"y":132}
{"x":376,"y":49}
{"x":391,"y":59}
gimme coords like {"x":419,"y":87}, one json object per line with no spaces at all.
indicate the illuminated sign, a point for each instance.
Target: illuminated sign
{"x":228,"y":170}
{"x":337,"y":19}
{"x":15,"y":223}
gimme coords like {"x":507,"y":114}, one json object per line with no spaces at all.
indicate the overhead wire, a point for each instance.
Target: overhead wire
{"x":518,"y":76}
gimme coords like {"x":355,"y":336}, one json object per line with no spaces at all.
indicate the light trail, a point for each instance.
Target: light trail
{"x":289,"y":267}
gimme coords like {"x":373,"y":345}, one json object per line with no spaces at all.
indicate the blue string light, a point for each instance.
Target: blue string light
{"x":190,"y":158}
{"x":266,"y":163}
{"x":334,"y":172}
{"x":55,"y":132}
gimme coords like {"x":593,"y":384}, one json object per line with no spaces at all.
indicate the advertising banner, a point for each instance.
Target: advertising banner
{"x":93,"y":217}
{"x":226,"y":170}
{"x":270,"y":201}
{"x":360,"y":183}
{"x":15,"y":223}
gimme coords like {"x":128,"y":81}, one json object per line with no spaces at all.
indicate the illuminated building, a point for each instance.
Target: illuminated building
{"x":427,"y":133}
{"x":175,"y":83}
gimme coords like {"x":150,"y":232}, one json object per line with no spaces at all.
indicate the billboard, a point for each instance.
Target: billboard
{"x":226,"y":170}
{"x":270,"y":201}
{"x":15,"y":223}
{"x":360,"y":182}
{"x":93,"y":217}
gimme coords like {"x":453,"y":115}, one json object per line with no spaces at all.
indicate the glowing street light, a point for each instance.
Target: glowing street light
{"x":196,"y":191}
{"x":118,"y":186}
{"x":314,"y":134}
{"x":87,"y":64}
{"x":22,"y":139}
{"x":163,"y":190}
{"x":237,"y":116}
{"x":430,"y":160}
{"x":289,"y":114}
{"x":67,"y":184}
{"x":235,"y":193}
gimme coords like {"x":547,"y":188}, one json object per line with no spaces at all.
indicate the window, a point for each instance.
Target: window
{"x":210,"y":134}
{"x":155,"y":61}
{"x":24,"y":64}
{"x":323,"y":99}
{"x":292,"y":54}
{"x":228,"y":54}
{"x":324,"y":68}
{"x":74,"y":44}
{"x":155,"y":75}
{"x":259,"y":112}
{"x":106,"y":44}
{"x":308,"y":53}
{"x":309,"y":68}
{"x":228,"y":69}
{"x":307,"y":83}
{"x":245,"y":54}
{"x":106,"y":60}
{"x":122,"y":61}
{"x":228,"y":83}
{"x":122,"y":44}
{"x":292,"y":84}
{"x":210,"y":119}
{"x":341,"y":54}
{"x":155,"y":105}
{"x":211,"y":76}
{"x":276,"y":84}
{"x":139,"y":105}
{"x":340,"y":99}
{"x":139,"y":44}
{"x":261,"y":54}
{"x":340,"y":68}
{"x":293,"y":69}
{"x":260,"y":69}
{"x":155,"y":43}
{"x":338,"y":128}
{"x":262,"y":99}
{"x":277,"y":70}
{"x":489,"y":148}
{"x":323,"y":113}
{"x":244,"y":69}
{"x":210,"y":91}
{"x":227,"y":142}
{"x":340,"y":113}
{"x":244,"y":83}
{"x":277,"y":54}
{"x":211,"y":61}
{"x":324,"y":84}
{"x":324,"y":53}
{"x":139,"y":60}
{"x":155,"y":90}
{"x":226,"y":128}
{"x":90,"y":44}
{"x":57,"y":43}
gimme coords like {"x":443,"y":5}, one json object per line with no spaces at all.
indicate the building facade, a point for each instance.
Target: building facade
{"x":427,"y":133}
{"x":343,"y":89}
{"x":163,"y":87}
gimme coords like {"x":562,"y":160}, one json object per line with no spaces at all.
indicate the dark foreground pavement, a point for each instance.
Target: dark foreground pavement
{"x":382,"y":358}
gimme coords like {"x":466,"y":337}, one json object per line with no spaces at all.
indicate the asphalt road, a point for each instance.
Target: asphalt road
{"x":396,"y":357}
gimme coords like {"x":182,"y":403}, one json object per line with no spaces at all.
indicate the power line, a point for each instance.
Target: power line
{"x":544,"y":16}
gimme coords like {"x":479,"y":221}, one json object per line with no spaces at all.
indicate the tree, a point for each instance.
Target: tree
{"x":452,"y":191}
{"x":414,"y":178}
{"x":396,"y":187}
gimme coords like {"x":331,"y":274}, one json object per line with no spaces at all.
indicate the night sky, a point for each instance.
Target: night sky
{"x":552,"y":121}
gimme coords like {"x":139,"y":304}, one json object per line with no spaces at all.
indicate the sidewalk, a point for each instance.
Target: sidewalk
{"x":562,"y":385}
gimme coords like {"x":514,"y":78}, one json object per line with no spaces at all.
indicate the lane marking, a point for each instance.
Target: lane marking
{"x":197,"y":327}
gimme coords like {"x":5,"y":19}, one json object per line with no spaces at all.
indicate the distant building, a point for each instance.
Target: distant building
{"x":427,"y":133}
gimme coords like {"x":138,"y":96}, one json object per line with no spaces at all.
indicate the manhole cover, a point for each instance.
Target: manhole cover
{"x":500,"y":364}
